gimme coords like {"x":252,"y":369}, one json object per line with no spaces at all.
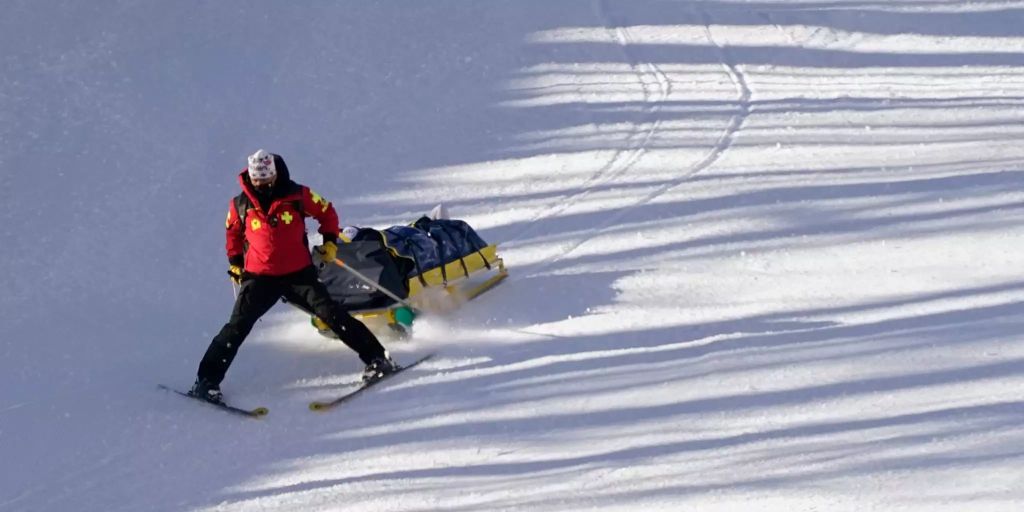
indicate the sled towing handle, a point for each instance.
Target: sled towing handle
{"x":374,"y":285}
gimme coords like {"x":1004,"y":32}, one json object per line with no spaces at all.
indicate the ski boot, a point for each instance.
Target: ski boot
{"x":206,"y":390}
{"x":379,"y":368}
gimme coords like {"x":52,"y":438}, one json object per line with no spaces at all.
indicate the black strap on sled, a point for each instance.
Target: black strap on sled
{"x":444,"y":264}
{"x":478,"y":250}
{"x":462,"y":260}
{"x":483,"y":258}
{"x":415,"y":261}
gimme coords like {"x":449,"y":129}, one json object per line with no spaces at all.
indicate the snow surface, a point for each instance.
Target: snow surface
{"x":764,"y":255}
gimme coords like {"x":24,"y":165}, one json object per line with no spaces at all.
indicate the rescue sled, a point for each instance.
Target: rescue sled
{"x":384,"y":278}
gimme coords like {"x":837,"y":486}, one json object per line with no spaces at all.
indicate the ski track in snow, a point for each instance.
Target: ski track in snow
{"x":636,"y":142}
{"x":664,"y":85}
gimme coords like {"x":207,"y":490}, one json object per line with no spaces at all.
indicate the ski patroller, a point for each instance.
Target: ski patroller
{"x":257,"y":412}
{"x":323,"y":406}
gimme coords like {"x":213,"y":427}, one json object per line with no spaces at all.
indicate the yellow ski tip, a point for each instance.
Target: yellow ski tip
{"x":260,"y":411}
{"x":317,"y":406}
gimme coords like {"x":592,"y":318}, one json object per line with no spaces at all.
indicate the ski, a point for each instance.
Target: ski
{"x":258,"y":412}
{"x":323,"y":406}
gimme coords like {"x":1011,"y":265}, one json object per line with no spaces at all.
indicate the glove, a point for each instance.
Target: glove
{"x":328,"y":251}
{"x":235,"y":273}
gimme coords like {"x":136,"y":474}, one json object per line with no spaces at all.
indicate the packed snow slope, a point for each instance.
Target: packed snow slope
{"x":764,"y":255}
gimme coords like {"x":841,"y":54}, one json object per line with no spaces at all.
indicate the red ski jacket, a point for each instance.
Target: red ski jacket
{"x":273,"y":242}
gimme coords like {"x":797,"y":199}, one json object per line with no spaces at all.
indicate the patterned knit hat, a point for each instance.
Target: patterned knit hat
{"x":261,"y":165}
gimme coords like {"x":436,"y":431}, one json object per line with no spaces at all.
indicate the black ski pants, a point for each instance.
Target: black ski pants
{"x":258,"y":294}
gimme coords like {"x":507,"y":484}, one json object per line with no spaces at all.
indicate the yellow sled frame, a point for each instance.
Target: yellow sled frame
{"x":431,"y":292}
